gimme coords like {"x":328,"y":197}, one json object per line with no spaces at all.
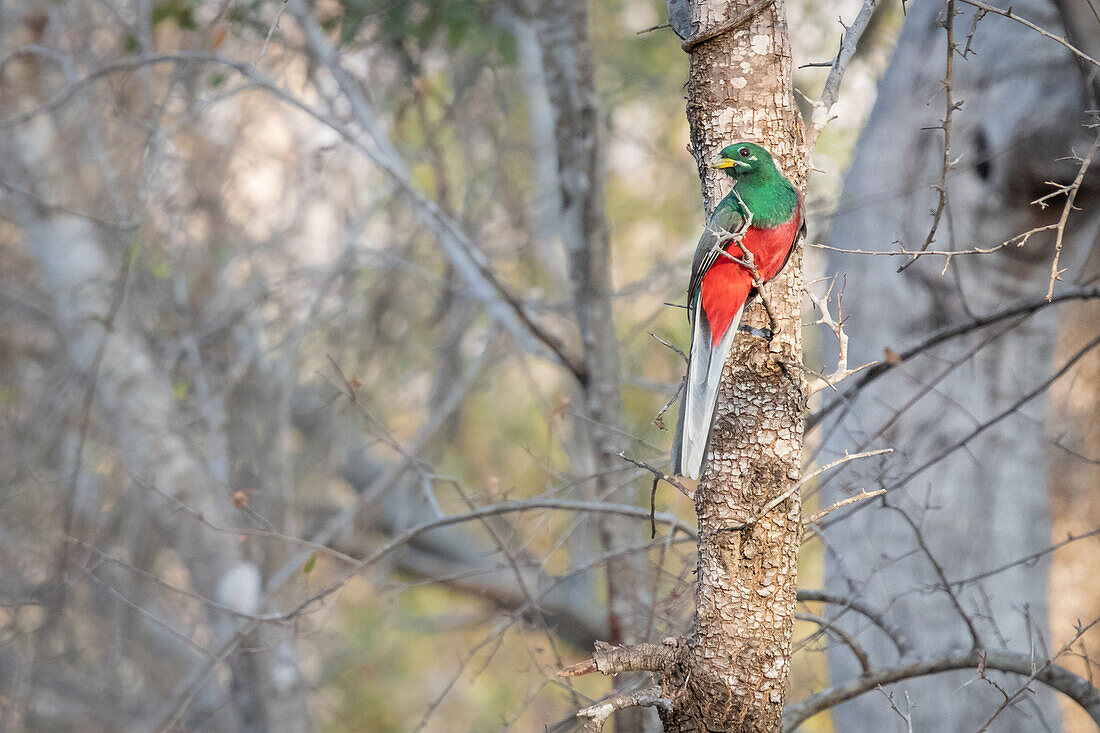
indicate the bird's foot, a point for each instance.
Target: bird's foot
{"x":763,"y":333}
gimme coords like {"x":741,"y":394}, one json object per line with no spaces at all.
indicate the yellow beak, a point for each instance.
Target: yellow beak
{"x":720,"y":163}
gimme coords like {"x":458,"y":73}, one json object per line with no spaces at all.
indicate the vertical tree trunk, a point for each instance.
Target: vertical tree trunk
{"x":733,"y":667}
{"x":1023,"y":105}
{"x":562,"y":28}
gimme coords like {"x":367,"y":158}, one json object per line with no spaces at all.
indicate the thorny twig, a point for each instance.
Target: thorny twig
{"x":842,"y":372}
{"x":1071,"y":194}
{"x":845,"y":502}
{"x":1039,"y":669}
{"x":946,"y":334}
{"x":822,"y":113}
{"x":802,"y":482}
{"x":1018,"y":240}
{"x":658,"y":475}
{"x":945,"y":125}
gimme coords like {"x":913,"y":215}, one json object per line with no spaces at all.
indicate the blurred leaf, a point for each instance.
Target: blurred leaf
{"x":179,"y":390}
{"x":355,"y":12}
{"x":179,"y":11}
{"x":133,"y":253}
{"x":309,"y":564}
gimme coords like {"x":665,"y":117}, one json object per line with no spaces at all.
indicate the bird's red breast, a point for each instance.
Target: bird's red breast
{"x":726,"y":285}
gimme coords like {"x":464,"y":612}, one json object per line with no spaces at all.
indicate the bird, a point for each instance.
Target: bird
{"x":770,"y":211}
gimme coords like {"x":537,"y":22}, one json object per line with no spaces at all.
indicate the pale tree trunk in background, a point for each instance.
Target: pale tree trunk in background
{"x":1074,"y":427}
{"x":567,"y":63}
{"x":1024,"y":109}
{"x":733,"y":667}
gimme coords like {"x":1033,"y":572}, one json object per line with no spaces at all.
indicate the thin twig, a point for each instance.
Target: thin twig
{"x":1025,"y":308}
{"x":659,"y":474}
{"x":897,"y":635}
{"x":945,"y":125}
{"x":1023,"y":21}
{"x":842,"y":372}
{"x":1058,"y":678}
{"x":845,"y":502}
{"x":802,"y":482}
{"x":1071,"y":195}
{"x":839,"y":633}
{"x":823,"y":108}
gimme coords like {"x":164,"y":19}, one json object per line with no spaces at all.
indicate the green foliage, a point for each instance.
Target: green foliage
{"x":179,"y":390}
{"x":457,"y":24}
{"x":178,"y":11}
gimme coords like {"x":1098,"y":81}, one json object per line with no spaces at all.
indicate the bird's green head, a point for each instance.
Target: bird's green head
{"x":745,"y":160}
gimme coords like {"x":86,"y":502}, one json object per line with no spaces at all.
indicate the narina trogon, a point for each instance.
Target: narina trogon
{"x":720,"y":287}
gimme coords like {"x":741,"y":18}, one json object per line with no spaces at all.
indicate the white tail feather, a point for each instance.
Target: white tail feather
{"x":701,"y":393}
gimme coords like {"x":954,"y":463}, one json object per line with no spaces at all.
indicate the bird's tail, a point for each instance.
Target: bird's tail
{"x":704,"y":375}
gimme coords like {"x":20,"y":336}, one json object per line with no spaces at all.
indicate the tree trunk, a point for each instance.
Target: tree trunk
{"x":733,"y":667}
{"x":562,"y":28}
{"x":966,"y":508}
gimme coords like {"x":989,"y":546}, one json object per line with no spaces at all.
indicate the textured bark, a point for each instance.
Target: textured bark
{"x":1023,"y":102}
{"x":732,"y":673}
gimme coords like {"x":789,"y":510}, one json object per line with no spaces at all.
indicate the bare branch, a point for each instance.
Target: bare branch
{"x":1023,"y":21}
{"x":844,"y":637}
{"x":805,"y":480}
{"x":1058,"y":678}
{"x":823,"y":108}
{"x":611,"y":660}
{"x":599,"y":713}
{"x":842,"y":372}
{"x":1071,"y":194}
{"x":659,"y":474}
{"x":946,"y":334}
{"x":945,"y":125}
{"x":897,"y":635}
{"x":845,"y":502}
{"x":999,"y":417}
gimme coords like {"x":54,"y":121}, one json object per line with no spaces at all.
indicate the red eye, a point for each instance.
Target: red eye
{"x":744,"y":152}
